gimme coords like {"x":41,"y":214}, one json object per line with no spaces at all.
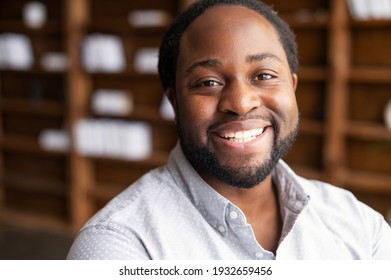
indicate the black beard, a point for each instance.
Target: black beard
{"x":243,"y":176}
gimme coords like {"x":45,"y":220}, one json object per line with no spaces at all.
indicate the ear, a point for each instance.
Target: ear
{"x":295,"y":80}
{"x":169,"y":92}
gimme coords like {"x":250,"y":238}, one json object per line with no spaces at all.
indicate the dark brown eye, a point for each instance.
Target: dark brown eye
{"x":209,"y":83}
{"x":264,"y":77}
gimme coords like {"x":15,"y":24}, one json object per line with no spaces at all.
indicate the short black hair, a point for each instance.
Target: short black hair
{"x":169,"y":48}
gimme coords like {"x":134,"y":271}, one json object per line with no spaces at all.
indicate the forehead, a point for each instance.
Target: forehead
{"x":230,"y":27}
{"x":228,"y":14}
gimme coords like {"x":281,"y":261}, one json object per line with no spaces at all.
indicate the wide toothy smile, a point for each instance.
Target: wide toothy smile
{"x":242,"y":136}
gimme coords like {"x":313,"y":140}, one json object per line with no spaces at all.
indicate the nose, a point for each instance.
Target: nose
{"x":239,"y":98}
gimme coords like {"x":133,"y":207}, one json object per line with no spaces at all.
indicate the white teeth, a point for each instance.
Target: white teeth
{"x":239,"y":134}
{"x":242,"y":136}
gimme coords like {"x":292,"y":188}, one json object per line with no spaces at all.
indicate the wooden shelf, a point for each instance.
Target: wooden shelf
{"x":32,"y":107}
{"x":367,"y":131}
{"x":142,"y":113}
{"x":35,"y":185}
{"x":370,"y":23}
{"x":151,"y":115}
{"x":307,"y":20}
{"x":371,"y":75}
{"x":307,"y":172}
{"x":156,"y":159}
{"x":368,"y":182}
{"x":312,"y":73}
{"x":34,"y":221}
{"x":17,"y":26}
{"x":128,"y":74}
{"x":20,"y":143}
{"x":309,"y":126}
{"x":35,"y":70}
{"x":27,"y":145}
{"x":121,"y":26}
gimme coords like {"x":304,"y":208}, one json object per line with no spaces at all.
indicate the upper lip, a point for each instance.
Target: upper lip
{"x":236,"y":126}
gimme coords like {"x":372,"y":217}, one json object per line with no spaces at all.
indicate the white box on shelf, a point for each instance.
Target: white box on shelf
{"x":114,"y":138}
{"x":378,"y":9}
{"x":166,"y":110}
{"x":148,"y":18}
{"x":103,"y":53}
{"x":112,"y":102}
{"x":359,"y":9}
{"x":146,"y":60}
{"x":54,"y":61}
{"x":34,"y":14}
{"x":387,"y":115}
{"x":16,"y":51}
{"x":54,"y":140}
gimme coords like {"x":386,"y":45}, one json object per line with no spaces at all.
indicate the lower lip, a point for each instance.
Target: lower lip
{"x":249,"y":146}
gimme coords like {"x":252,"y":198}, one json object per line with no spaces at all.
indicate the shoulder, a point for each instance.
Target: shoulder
{"x":325,"y":195}
{"x":151,"y":193}
{"x":321,"y":196}
{"x":328,"y":194}
{"x":342,"y":212}
{"x":349,"y":219}
{"x":335,"y":200}
{"x":119,"y":229}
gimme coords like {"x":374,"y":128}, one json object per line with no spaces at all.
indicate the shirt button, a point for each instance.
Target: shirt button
{"x":221,"y":229}
{"x":258,"y":254}
{"x":233,"y":215}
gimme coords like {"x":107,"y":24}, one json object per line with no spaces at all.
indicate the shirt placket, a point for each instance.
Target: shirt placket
{"x":236,"y":221}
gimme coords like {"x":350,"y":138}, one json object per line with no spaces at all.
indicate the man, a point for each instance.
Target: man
{"x":228,"y":67}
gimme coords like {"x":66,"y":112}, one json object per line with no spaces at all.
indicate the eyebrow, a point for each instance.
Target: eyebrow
{"x":262,"y":56}
{"x":217,"y":63}
{"x":204,"y":64}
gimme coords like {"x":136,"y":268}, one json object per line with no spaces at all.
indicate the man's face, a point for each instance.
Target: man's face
{"x":235,"y":96}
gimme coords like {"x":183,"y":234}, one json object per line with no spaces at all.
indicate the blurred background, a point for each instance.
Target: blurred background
{"x":82,"y":113}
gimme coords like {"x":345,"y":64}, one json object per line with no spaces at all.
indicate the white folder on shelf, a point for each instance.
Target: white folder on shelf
{"x":129,"y":140}
{"x":54,"y":140}
{"x":103,"y":53}
{"x":146,"y":60}
{"x":112,"y":102}
{"x":148,"y":18}
{"x":16,"y":51}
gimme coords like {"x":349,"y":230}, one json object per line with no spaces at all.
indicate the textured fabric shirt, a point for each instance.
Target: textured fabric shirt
{"x":172,"y":213}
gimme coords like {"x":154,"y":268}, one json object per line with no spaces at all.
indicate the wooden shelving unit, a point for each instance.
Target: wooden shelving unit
{"x":34,"y":183}
{"x":344,"y":82}
{"x":96,"y":180}
{"x":310,"y":21}
{"x":367,"y":166}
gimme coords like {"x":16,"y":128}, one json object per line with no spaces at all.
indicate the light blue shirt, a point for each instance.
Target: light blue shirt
{"x":172,"y":213}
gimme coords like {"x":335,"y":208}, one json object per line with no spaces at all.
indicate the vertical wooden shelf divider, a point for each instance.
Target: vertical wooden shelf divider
{"x":79,"y":87}
{"x":2,"y":192}
{"x":337,"y":91}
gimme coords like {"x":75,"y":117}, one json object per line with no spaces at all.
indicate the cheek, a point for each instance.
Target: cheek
{"x":289,"y":104}
{"x":285,"y":106}
{"x":195,"y":115}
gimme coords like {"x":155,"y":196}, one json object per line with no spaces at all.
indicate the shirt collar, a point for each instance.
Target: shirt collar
{"x":291,"y":188}
{"x":214,"y":206}
{"x":209,"y":203}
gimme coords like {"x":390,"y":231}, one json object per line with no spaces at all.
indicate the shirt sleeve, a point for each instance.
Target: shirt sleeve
{"x":382,"y":241}
{"x":106,"y":243}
